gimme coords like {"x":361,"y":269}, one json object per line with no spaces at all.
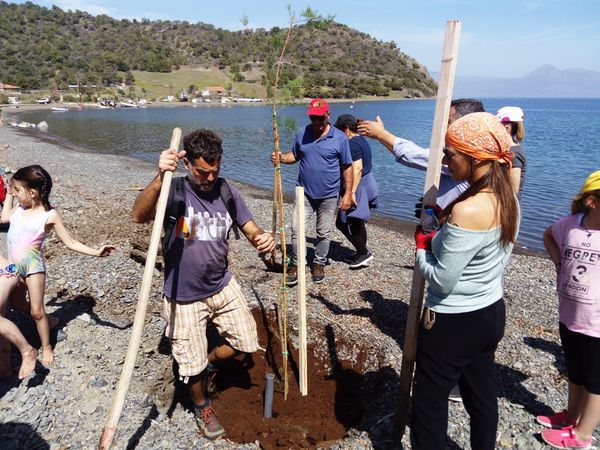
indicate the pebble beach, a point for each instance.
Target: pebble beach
{"x":66,"y":405}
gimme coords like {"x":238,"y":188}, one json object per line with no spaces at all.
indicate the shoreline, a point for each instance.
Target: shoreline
{"x":15,"y":111}
{"x":385,"y":221}
{"x":365,"y":309}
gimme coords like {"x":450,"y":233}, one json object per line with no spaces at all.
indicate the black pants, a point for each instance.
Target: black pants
{"x":458,"y":348}
{"x":355,"y":231}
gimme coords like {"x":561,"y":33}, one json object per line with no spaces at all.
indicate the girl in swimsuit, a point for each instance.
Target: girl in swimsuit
{"x":30,"y":222}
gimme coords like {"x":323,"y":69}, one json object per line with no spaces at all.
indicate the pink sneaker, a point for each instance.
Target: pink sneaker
{"x":566,"y":439}
{"x":557,"y":421}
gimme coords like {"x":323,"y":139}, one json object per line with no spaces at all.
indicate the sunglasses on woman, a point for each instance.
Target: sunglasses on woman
{"x":447,"y":153}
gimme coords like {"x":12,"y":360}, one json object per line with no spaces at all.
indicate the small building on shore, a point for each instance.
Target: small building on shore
{"x":10,"y":89}
{"x":213,"y":91}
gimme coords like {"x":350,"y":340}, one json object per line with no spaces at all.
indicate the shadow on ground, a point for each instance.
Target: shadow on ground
{"x":389,"y":315}
{"x":19,"y":436}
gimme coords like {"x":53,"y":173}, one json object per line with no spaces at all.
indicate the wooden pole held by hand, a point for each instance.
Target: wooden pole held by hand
{"x":110,"y":429}
{"x":303,"y":371}
{"x":432,"y":181}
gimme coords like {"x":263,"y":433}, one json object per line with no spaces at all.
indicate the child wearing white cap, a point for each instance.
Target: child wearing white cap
{"x":512,"y":119}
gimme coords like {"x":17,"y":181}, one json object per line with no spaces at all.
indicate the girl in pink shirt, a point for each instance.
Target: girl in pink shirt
{"x":573,"y":243}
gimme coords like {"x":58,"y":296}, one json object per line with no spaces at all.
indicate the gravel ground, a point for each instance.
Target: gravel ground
{"x":364,"y":312}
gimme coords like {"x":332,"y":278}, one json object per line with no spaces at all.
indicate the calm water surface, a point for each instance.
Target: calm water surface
{"x":562,"y":144}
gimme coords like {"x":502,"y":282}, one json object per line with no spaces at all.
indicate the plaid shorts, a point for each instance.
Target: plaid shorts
{"x":186,"y":326}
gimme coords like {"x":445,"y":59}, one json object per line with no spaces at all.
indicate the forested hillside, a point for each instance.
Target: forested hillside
{"x":51,"y":48}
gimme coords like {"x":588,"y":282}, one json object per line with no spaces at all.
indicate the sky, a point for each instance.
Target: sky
{"x":506,"y":39}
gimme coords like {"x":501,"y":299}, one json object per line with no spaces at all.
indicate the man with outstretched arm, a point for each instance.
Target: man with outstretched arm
{"x":198,"y":286}
{"x":411,"y":155}
{"x":323,"y":152}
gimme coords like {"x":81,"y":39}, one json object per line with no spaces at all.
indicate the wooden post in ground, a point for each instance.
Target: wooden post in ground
{"x":432,"y":179}
{"x":110,"y":429}
{"x":302,"y":288}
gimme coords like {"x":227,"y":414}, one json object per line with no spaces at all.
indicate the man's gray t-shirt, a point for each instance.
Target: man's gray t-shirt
{"x":196,"y":252}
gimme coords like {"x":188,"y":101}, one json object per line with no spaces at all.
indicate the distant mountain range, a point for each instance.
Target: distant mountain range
{"x":546,"y":81}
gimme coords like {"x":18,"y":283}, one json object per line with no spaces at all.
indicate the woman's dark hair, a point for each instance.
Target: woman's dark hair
{"x":497,"y":180}
{"x":347,"y":121}
{"x":579,"y":202}
{"x":35,"y":177}
{"x":203,"y":144}
{"x":353,"y":128}
{"x":464,"y":106}
{"x":517,"y":131}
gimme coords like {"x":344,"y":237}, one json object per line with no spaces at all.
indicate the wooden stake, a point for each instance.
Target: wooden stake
{"x":302,"y":288}
{"x":432,"y":180}
{"x":110,"y":429}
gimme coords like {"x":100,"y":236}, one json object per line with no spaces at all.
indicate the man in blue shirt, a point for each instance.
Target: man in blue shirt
{"x":323,"y":152}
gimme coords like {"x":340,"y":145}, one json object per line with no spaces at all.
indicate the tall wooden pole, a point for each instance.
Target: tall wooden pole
{"x":110,"y":429}
{"x":302,"y":289}
{"x":432,"y":180}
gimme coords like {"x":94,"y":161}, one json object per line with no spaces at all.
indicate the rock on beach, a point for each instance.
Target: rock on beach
{"x":65,"y":406}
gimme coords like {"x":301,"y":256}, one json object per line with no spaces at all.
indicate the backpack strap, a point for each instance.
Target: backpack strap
{"x":227,"y":197}
{"x":175,"y":207}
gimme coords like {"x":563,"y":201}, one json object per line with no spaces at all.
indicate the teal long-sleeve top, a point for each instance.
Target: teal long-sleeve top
{"x":464,"y":269}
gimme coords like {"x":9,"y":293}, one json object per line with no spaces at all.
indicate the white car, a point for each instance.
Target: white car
{"x":43,"y":101}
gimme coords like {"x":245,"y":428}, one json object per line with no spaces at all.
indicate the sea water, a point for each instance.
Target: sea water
{"x":562,"y":145}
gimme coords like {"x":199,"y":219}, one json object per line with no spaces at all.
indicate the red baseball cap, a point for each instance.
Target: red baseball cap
{"x":317,"y":107}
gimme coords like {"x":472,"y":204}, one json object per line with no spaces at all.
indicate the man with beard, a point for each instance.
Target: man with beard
{"x":198,"y":285}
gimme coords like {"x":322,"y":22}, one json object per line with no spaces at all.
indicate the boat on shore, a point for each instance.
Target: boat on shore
{"x":59,"y":108}
{"x":128,"y":104}
{"x":106,"y":103}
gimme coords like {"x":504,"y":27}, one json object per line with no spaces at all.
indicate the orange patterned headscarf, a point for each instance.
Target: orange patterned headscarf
{"x":481,"y":136}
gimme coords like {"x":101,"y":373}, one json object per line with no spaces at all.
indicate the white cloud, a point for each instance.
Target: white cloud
{"x":83,"y":5}
{"x":432,"y":37}
{"x":95,"y":9}
{"x":142,"y":15}
{"x":422,"y":38}
{"x":531,"y":5}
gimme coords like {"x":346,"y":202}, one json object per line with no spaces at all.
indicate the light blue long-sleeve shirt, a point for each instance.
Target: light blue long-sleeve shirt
{"x":464,"y":269}
{"x":410,"y":154}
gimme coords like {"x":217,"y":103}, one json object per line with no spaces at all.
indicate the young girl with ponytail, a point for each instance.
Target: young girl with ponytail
{"x":30,"y":222}
{"x":573,"y":244}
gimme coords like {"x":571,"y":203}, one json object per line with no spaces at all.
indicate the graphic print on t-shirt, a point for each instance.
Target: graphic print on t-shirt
{"x":203,"y":226}
{"x":576,"y":283}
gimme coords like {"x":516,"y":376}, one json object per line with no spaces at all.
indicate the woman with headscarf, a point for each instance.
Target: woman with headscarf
{"x":511,"y":118}
{"x":463,"y":263}
{"x":352,"y":223}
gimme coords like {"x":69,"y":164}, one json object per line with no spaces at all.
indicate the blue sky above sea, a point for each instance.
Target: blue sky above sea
{"x":498,"y":39}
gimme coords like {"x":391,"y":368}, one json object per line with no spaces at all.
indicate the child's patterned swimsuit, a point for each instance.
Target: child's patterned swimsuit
{"x":25,"y":238}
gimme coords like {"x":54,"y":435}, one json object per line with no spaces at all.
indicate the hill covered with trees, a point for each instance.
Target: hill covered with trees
{"x":50,"y":48}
